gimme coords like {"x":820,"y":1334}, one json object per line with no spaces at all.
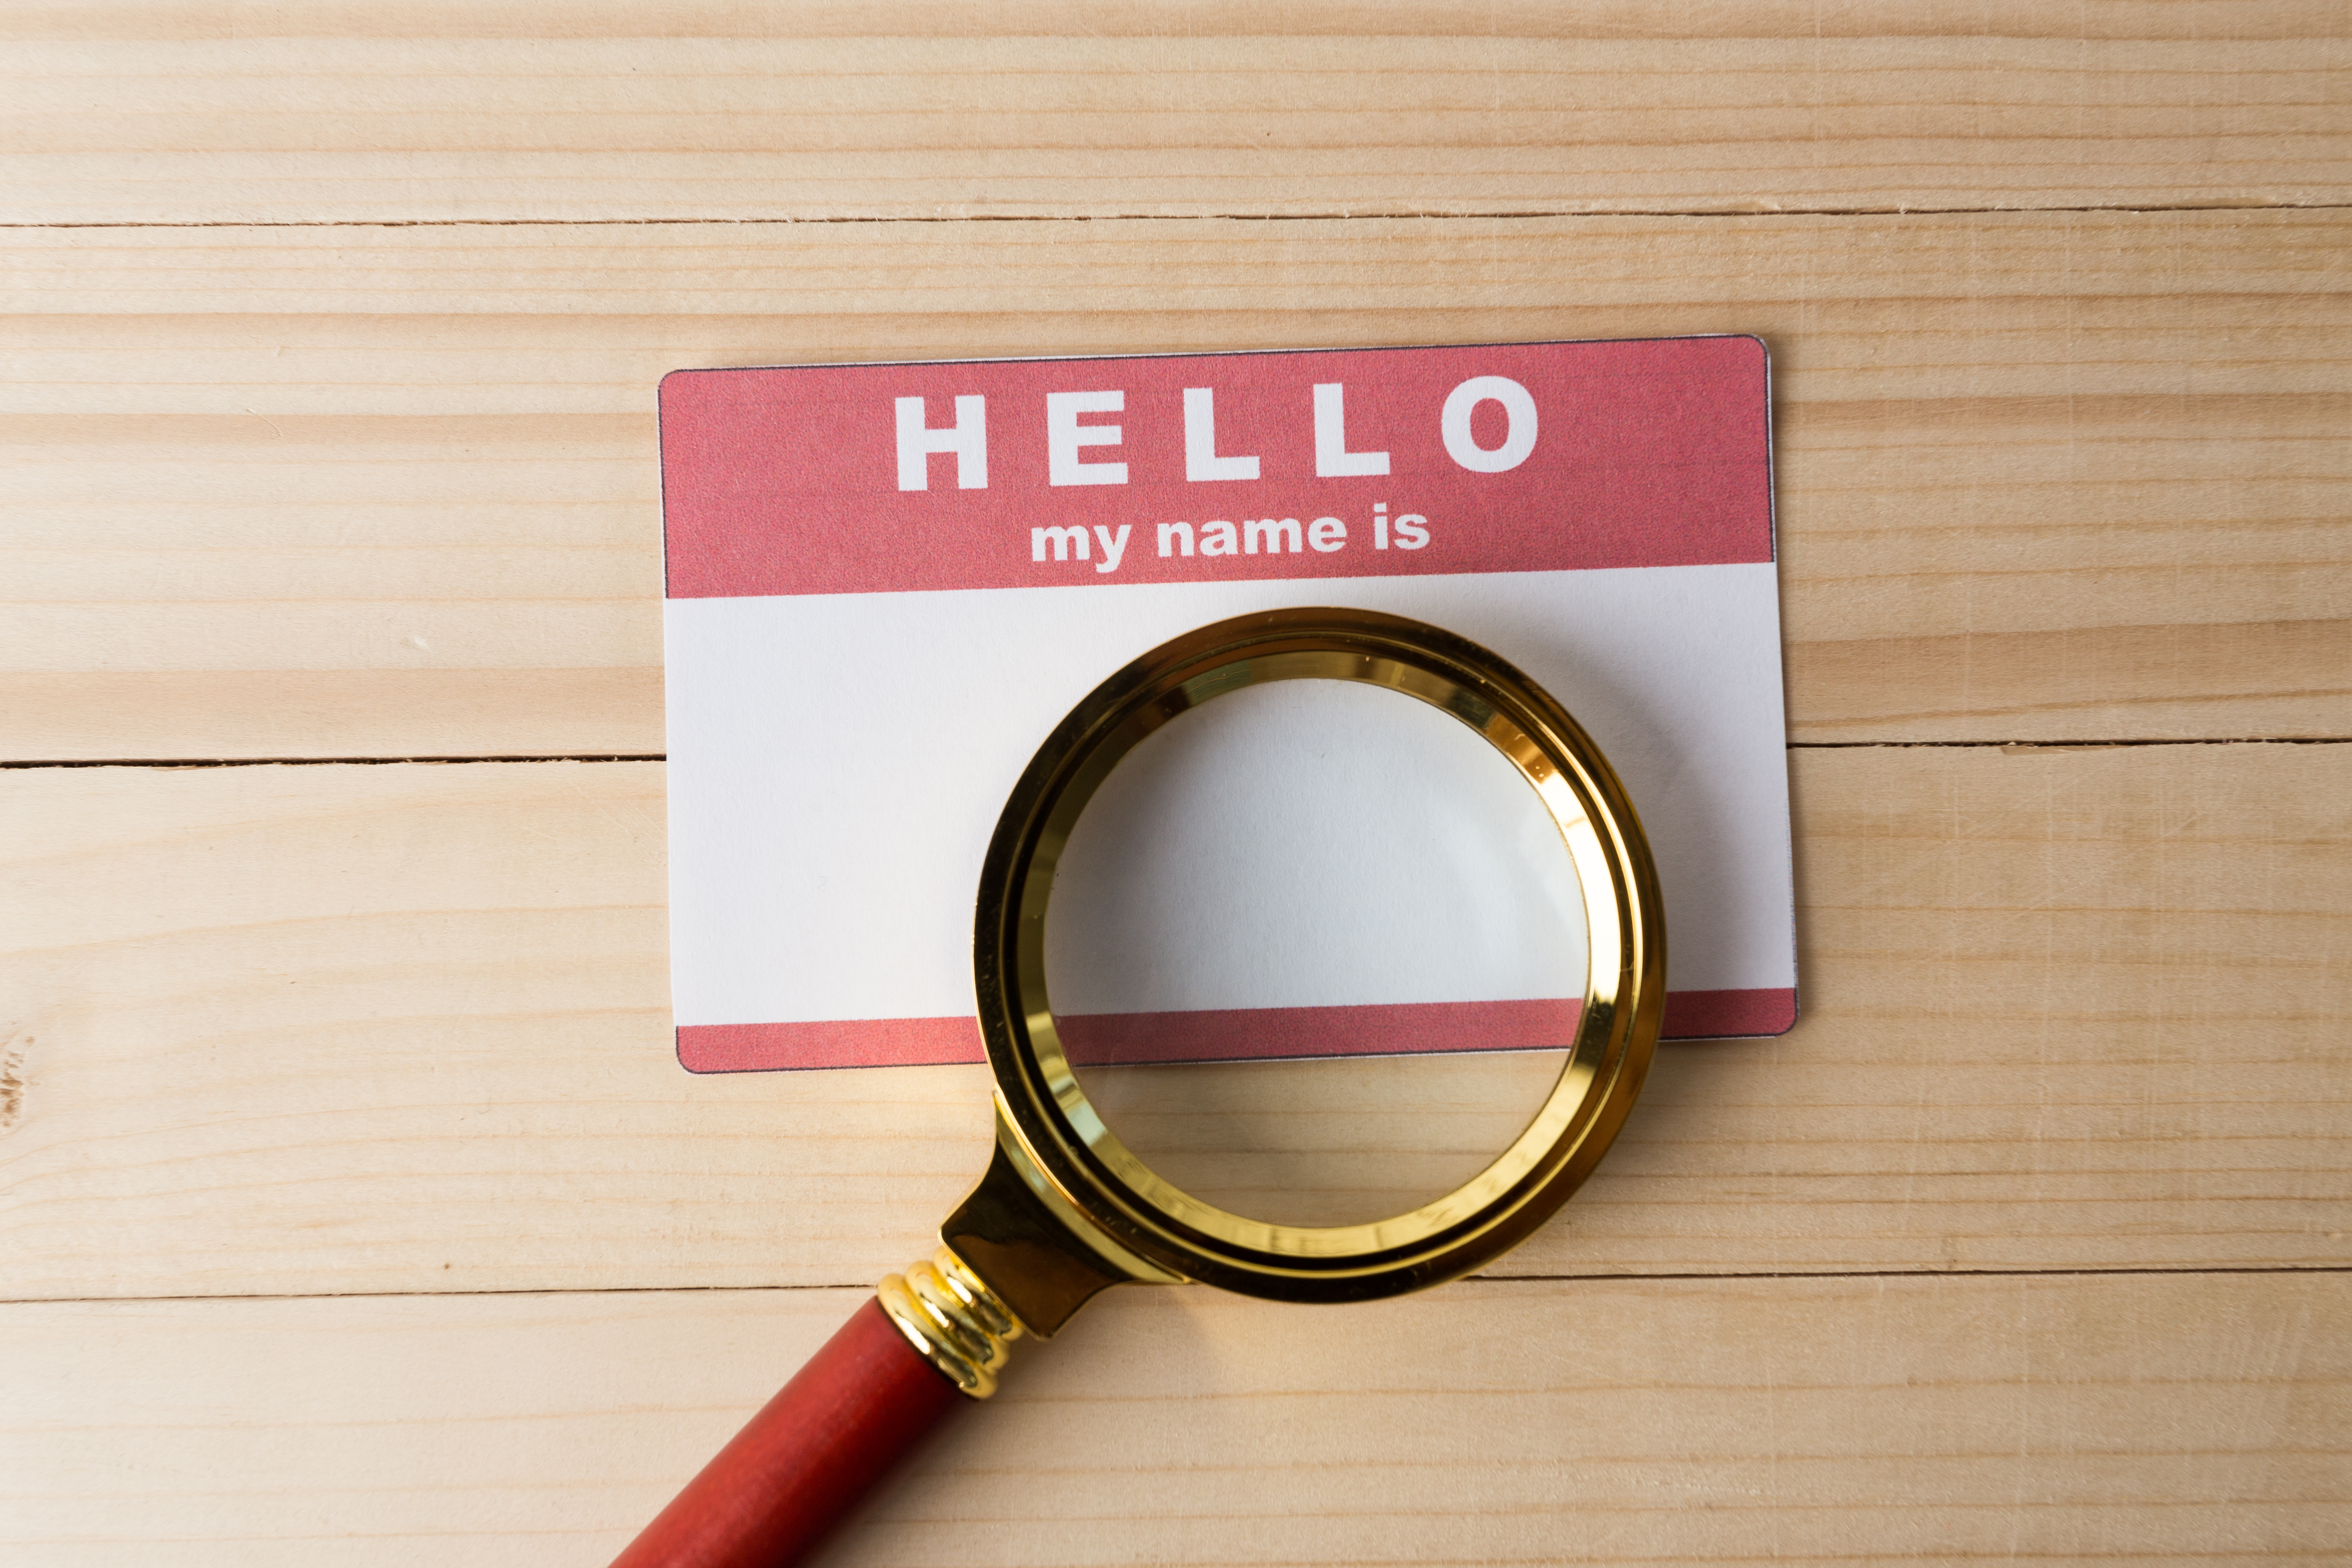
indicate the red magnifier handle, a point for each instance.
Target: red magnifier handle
{"x":926,"y":1340}
{"x":807,"y":1458}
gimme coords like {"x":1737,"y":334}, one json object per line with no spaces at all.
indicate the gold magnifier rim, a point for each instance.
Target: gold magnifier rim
{"x":1067,"y":1142}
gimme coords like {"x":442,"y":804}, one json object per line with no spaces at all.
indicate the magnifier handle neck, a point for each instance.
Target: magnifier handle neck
{"x":804,"y":1462}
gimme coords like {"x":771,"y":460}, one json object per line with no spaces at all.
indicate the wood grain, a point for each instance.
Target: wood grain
{"x":327,"y":1028}
{"x":334,"y":486}
{"x":392,"y":491}
{"x":2136,"y":1420}
{"x":335,"y":111}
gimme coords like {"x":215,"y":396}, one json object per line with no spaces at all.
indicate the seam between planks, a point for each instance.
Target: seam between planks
{"x":1385,"y":215}
{"x":662,"y":756}
{"x":1513,"y":1280}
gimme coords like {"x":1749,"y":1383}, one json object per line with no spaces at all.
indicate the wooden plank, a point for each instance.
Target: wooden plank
{"x":333,"y":110}
{"x":338,"y":492}
{"x":2132,"y":1420}
{"x":405,"y":1028}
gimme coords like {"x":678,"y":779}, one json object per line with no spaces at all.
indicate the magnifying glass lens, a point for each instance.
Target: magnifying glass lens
{"x":1316,"y":950}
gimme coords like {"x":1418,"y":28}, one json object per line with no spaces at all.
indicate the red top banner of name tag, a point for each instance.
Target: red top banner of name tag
{"x":1352,"y":463}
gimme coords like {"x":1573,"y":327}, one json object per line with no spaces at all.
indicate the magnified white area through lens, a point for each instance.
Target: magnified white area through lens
{"x":1316,"y":949}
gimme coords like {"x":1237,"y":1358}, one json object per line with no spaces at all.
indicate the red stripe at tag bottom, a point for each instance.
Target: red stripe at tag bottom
{"x":1244,"y":1034}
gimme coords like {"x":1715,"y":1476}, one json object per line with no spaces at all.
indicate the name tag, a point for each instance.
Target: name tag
{"x":867,"y":563}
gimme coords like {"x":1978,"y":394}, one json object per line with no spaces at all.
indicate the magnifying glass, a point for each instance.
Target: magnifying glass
{"x":1261,"y":796}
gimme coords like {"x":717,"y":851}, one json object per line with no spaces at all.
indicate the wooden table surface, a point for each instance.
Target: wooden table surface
{"x":351,"y":1207}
